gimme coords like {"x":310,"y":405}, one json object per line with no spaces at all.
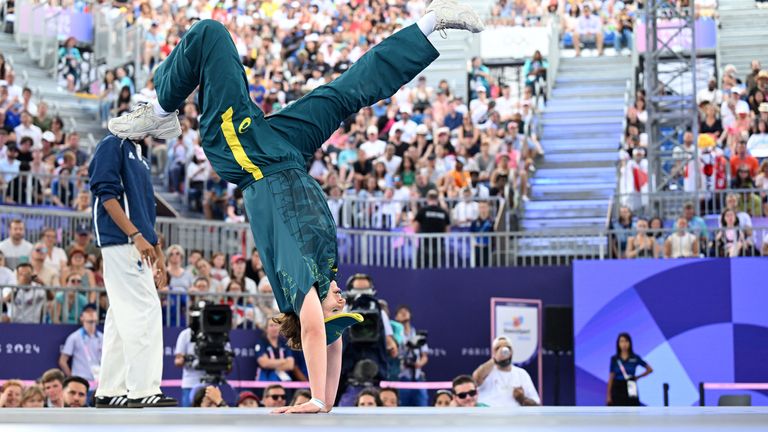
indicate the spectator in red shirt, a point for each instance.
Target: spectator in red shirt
{"x":741,"y":157}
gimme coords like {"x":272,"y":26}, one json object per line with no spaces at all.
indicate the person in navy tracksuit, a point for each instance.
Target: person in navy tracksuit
{"x":124,"y":228}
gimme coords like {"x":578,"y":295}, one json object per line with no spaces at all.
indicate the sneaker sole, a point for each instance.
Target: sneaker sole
{"x":112,"y":406}
{"x":171,"y":132}
{"x":154,"y":405}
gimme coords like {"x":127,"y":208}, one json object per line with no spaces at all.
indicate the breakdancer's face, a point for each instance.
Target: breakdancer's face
{"x":334,"y":302}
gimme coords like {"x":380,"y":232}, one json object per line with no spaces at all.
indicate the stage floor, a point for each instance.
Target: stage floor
{"x":384,"y":419}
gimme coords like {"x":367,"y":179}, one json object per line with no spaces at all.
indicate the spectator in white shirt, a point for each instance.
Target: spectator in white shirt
{"x":589,"y":28}
{"x":505,"y":104}
{"x":405,"y":124}
{"x":730,"y":106}
{"x":15,"y":248}
{"x":466,"y":210}
{"x":390,"y":160}
{"x":479,"y":107}
{"x":26,"y":128}
{"x":14,"y":91}
{"x":681,"y":243}
{"x":373,"y":146}
{"x":55,"y":258}
{"x":9,"y":167}
{"x":710,"y":94}
{"x":502,"y":384}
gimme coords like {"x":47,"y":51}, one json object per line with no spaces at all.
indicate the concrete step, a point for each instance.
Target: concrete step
{"x":585,"y":181}
{"x":567,"y":133}
{"x":570,"y":183}
{"x":576,"y":172}
{"x":588,"y":92}
{"x":566,"y":245}
{"x":570,"y":105}
{"x":563,"y":223}
{"x":546,"y":164}
{"x":564,"y":204}
{"x":589,"y":149}
{"x":567,"y":213}
{"x":585,"y":107}
{"x":573,"y":187}
{"x":584,"y":115}
{"x":603,"y":62}
{"x":596,"y":77}
{"x":593,"y":119}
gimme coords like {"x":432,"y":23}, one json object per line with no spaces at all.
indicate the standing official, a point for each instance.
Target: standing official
{"x":123,"y":222}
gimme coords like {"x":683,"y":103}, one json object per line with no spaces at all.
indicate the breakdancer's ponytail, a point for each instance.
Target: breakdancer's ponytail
{"x":290,"y":328}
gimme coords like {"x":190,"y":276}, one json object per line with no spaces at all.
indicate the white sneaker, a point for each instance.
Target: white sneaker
{"x":143,"y":122}
{"x":452,"y":15}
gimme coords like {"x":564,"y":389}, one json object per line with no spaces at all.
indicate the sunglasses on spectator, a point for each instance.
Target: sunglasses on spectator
{"x":41,"y":250}
{"x":90,"y":322}
{"x":75,"y":280}
{"x":276,"y":397}
{"x":175,"y":253}
{"x":463,"y":395}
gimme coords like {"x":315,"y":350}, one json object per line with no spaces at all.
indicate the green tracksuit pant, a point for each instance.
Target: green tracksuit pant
{"x":266,"y":156}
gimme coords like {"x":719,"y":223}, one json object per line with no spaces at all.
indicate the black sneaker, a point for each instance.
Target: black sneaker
{"x":111,"y":401}
{"x":155,"y":401}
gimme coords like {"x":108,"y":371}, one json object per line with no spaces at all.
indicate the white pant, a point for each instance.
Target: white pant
{"x":132,"y":355}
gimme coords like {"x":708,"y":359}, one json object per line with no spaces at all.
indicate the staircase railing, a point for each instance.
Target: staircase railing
{"x":554,"y":54}
{"x":49,"y":53}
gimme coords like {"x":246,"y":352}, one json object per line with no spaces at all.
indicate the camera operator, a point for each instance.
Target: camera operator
{"x":186,"y":355}
{"x":502,"y":384}
{"x":413,"y":357}
{"x":362,"y":284}
{"x":368,"y":346}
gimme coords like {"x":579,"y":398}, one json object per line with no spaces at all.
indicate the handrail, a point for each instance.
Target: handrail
{"x":395,"y":249}
{"x":53,"y":56}
{"x":668,"y":204}
{"x":31,"y":40}
{"x":250,"y":309}
{"x":554,"y":54}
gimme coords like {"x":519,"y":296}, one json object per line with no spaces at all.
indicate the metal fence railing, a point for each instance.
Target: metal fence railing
{"x":32,"y":189}
{"x":206,"y":236}
{"x":63,"y":305}
{"x":669,"y":204}
{"x":458,"y":249}
{"x":382,"y":213}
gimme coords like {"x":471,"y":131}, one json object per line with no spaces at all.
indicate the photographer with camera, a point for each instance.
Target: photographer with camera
{"x":208,"y":363}
{"x":502,"y":384}
{"x":368,"y":345}
{"x":413,"y":357}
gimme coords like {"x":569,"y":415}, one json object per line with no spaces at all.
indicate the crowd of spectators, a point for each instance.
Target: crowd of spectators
{"x":54,"y":390}
{"x":732,"y":154}
{"x":690,"y":236}
{"x":41,"y":163}
{"x":426,"y":137}
{"x":587,"y":22}
{"x":496,"y":382}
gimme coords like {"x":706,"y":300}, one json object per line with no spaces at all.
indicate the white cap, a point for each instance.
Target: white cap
{"x":372,"y":130}
{"x":49,"y":136}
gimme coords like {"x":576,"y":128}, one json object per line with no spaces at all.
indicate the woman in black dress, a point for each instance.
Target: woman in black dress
{"x":622,"y":380}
